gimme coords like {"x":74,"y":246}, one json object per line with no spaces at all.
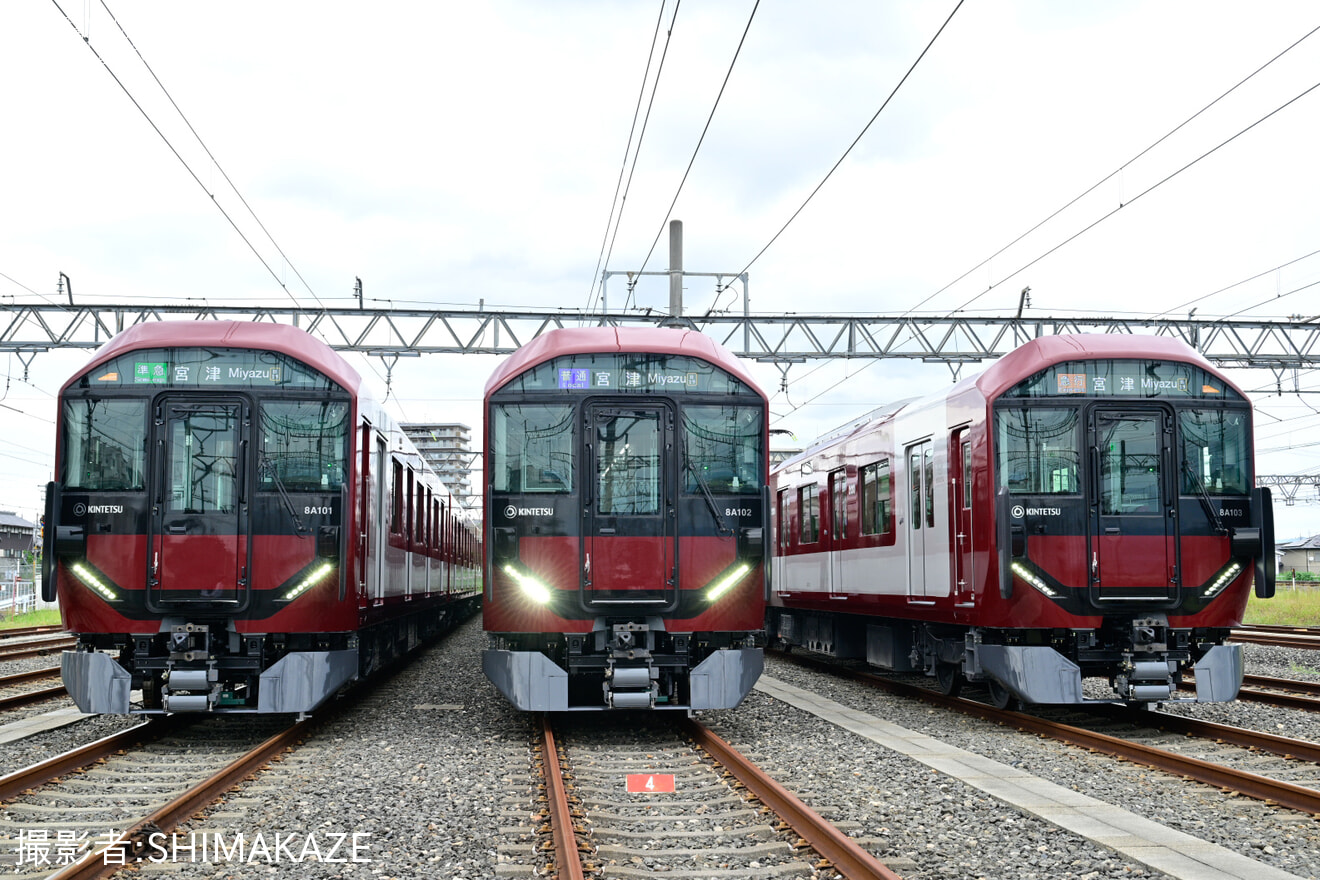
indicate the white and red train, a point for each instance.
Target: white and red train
{"x":1084,"y":508}
{"x":237,"y":527}
{"x":626,"y":474}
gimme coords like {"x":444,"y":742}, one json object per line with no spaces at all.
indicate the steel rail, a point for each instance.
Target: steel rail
{"x":1276,"y":639}
{"x":17,"y":701}
{"x":33,"y":675}
{"x":840,"y":850}
{"x":36,"y":649}
{"x":1275,"y":791}
{"x":21,"y":780}
{"x":120,"y":854}
{"x":568,"y":863}
{"x":28,"y":631}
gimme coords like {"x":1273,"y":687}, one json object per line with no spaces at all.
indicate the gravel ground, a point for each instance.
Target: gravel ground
{"x":1280,"y":837}
{"x":432,"y":765}
{"x":420,"y":770}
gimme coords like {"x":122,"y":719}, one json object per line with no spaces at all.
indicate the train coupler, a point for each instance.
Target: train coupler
{"x":631,"y":687}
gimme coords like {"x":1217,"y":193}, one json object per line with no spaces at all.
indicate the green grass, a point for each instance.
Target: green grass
{"x":1300,"y":607}
{"x":43,"y":617}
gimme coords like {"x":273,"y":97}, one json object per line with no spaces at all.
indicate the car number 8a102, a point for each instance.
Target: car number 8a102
{"x":737,"y":511}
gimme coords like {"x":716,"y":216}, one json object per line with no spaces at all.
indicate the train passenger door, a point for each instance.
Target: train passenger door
{"x":199,"y":521}
{"x":1132,"y":545}
{"x":630,"y":543}
{"x":964,"y":575}
{"x":922,"y":540}
{"x":838,"y":531}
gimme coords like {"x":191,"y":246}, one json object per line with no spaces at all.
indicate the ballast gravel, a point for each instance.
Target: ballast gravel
{"x":432,"y":768}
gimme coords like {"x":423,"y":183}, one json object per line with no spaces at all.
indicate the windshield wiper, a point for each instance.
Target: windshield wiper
{"x":266,"y":467}
{"x":721,"y":526}
{"x":1205,"y":498}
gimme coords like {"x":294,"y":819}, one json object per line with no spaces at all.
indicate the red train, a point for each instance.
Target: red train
{"x":625,"y":504}
{"x":1085,"y":508}
{"x":240,"y":525}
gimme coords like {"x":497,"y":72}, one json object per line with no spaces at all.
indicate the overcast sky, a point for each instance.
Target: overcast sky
{"x":448,"y":153}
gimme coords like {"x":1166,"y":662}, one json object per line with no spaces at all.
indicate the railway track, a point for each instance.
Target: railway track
{"x":14,"y":694}
{"x":36,"y":647}
{"x":107,"y":798}
{"x":20,"y":631}
{"x":1278,"y":637}
{"x":681,"y":803}
{"x":1295,"y":757}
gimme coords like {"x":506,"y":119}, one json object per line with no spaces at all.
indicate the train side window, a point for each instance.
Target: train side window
{"x":781,"y":526}
{"x":410,"y":513}
{"x":876,"y":498}
{"x":396,"y":491}
{"x":105,"y":443}
{"x":532,"y":447}
{"x":809,"y":511}
{"x":967,"y":475}
{"x":839,"y":503}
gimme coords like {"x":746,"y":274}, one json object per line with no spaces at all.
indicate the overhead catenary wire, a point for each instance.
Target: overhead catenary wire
{"x":212,"y":157}
{"x":606,"y":239}
{"x":669,"y":213}
{"x":1119,"y":170}
{"x":1147,"y":191}
{"x":855,"y":142}
{"x":177,"y":155}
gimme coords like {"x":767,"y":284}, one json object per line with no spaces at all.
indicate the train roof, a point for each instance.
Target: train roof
{"x":587,"y":340}
{"x":262,"y":336}
{"x":1043,"y":352}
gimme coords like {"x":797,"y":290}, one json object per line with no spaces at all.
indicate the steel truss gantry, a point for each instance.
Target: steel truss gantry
{"x":1280,"y":346}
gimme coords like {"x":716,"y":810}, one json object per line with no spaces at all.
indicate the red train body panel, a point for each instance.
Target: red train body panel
{"x":1084,"y":508}
{"x":625,"y":507}
{"x":240,"y":524}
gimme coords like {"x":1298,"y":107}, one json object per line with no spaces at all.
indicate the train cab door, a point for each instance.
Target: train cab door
{"x":922,"y":538}
{"x":1133,"y":555}
{"x":837,"y":536}
{"x":630,"y":540}
{"x":199,"y":521}
{"x":961,"y":484}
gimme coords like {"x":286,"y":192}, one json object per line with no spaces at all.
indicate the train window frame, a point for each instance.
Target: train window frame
{"x":783,"y":533}
{"x":1040,"y":477}
{"x":840,"y":487}
{"x":1216,"y":476}
{"x":705,"y":447}
{"x":880,"y":520}
{"x":554,"y":466}
{"x":329,"y":456}
{"x":82,"y":450}
{"x":808,"y":515}
{"x":396,"y":498}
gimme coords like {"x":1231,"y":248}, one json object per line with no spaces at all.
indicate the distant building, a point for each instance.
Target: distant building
{"x":17,"y":535}
{"x":447,"y":447}
{"x":1300,"y":555}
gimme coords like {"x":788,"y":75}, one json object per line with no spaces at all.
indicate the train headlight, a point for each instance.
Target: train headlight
{"x":317,"y":575}
{"x":533,"y":588}
{"x":1223,"y":579}
{"x":84,"y":574}
{"x":721,"y":584}
{"x":1022,"y":570}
